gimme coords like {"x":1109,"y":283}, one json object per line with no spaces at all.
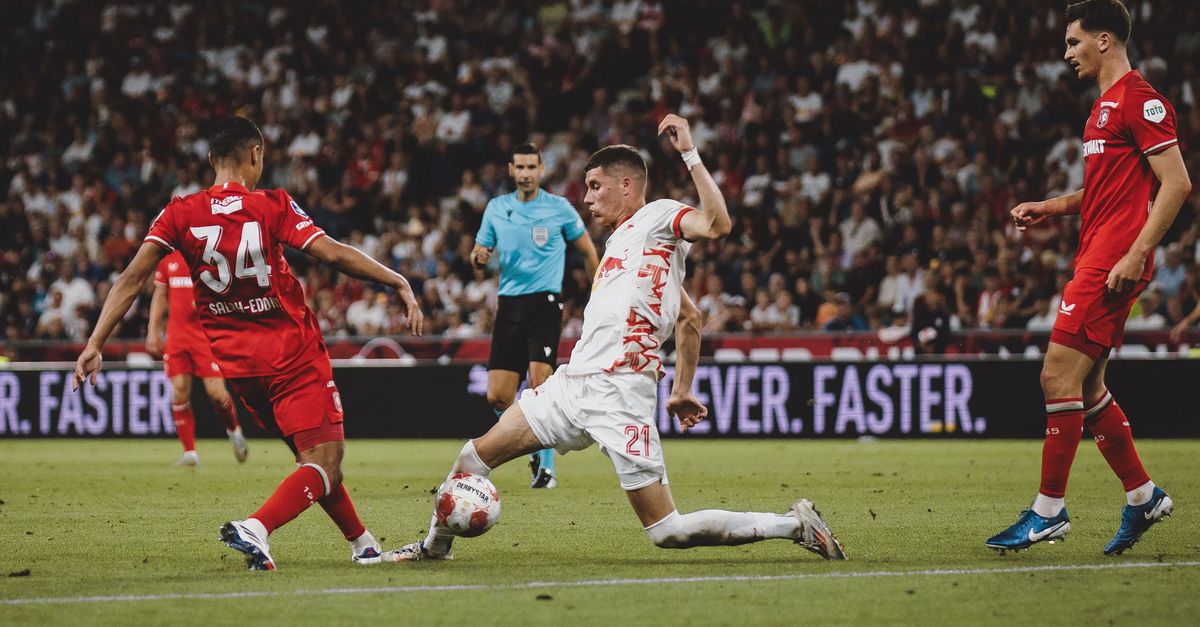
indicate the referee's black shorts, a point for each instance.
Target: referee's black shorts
{"x":527,"y":329}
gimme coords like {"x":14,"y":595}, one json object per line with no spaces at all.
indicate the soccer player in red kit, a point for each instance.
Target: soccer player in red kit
{"x":265,"y":338}
{"x":1129,"y":147}
{"x":186,"y":354}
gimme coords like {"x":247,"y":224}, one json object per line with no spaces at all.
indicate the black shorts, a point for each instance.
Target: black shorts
{"x":527,"y":329}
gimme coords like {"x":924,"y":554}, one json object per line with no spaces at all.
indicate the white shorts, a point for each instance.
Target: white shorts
{"x":570,"y":412}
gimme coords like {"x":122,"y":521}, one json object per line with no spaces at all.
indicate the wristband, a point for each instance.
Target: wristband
{"x":691,"y":158}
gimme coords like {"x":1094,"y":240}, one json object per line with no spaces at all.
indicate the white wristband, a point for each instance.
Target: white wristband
{"x":691,"y":158}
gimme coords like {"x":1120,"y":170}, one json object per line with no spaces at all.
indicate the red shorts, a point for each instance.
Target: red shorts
{"x":302,"y":407}
{"x":1091,"y":319}
{"x":194,"y":360}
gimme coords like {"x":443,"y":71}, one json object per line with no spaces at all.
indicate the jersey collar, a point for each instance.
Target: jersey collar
{"x":231,"y":186}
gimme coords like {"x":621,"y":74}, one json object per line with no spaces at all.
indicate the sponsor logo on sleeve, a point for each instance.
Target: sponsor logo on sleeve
{"x":1154,"y":110}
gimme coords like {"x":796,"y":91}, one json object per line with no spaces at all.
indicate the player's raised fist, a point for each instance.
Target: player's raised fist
{"x":1027,"y":214}
{"x":677,"y":131}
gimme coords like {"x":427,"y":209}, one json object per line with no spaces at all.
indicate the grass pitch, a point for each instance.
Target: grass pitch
{"x":111,"y":533}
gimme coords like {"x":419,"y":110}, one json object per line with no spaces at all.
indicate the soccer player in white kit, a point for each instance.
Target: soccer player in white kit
{"x":606,"y":394}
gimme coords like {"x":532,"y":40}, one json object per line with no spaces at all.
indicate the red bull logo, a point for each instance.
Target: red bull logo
{"x":611,"y":265}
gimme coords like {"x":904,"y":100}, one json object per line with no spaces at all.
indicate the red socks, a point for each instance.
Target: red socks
{"x":298,"y":491}
{"x":1064,"y":426}
{"x":185,"y":425}
{"x":1110,"y":428}
{"x":341,"y":509}
{"x":227,"y":413}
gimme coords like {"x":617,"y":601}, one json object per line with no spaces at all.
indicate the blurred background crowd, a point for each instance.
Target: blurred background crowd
{"x":869,"y":151}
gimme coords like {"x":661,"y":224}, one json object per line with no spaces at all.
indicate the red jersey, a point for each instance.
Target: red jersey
{"x":183,"y":326}
{"x":249,"y":303}
{"x":1129,"y":122}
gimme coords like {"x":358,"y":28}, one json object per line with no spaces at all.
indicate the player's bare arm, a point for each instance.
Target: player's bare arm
{"x":1174,"y":186}
{"x":119,"y":299}
{"x":587,"y":248}
{"x":158,"y":313}
{"x":480,"y":256}
{"x":355,"y":263}
{"x":1027,"y":214}
{"x":712,"y":221}
{"x":681,"y":403}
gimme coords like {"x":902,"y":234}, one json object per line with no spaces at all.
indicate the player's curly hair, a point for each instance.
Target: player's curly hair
{"x":231,"y":135}
{"x":618,"y":156}
{"x":1102,"y":15}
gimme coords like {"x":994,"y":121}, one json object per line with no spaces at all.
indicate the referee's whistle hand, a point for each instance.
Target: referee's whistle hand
{"x":481,"y":256}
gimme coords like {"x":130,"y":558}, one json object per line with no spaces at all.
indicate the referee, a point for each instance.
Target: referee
{"x":529,"y":230}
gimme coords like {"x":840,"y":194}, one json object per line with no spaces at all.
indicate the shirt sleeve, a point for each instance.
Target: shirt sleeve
{"x":294,"y":227}
{"x":1151,"y":120}
{"x":573,"y":227}
{"x":162,"y":230}
{"x":160,"y":272}
{"x":486,"y":236}
{"x":667,"y":216}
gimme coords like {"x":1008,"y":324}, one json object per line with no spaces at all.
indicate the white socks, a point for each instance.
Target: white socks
{"x":1050,"y":507}
{"x":1047,"y":506}
{"x":1141,"y":494}
{"x":712,"y":527}
{"x":364,"y":541}
{"x":468,"y":460}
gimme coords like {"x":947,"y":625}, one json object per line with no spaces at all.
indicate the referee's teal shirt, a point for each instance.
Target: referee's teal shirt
{"x":529,"y":239}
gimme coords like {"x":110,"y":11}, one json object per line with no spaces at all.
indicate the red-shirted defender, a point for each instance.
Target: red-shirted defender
{"x":186,"y":354}
{"x":265,"y":338}
{"x":1129,"y":147}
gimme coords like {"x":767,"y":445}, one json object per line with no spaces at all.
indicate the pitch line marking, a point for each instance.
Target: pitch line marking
{"x":587,"y":583}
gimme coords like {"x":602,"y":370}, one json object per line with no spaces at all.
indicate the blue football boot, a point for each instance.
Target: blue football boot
{"x":1136,"y":519}
{"x":1030,"y":529}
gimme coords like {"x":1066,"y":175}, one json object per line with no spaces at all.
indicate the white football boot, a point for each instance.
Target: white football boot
{"x":250,"y":537}
{"x":813,"y":533}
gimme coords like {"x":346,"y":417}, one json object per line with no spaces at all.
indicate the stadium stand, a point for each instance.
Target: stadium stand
{"x":870,"y":179}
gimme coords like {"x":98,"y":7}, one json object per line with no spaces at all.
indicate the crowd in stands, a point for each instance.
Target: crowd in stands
{"x":869,"y":151}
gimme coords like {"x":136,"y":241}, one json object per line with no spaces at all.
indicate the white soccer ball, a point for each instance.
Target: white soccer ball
{"x":467,"y":505}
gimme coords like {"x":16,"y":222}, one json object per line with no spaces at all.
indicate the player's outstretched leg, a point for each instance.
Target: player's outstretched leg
{"x":509,"y":439}
{"x":802,"y":524}
{"x":437,"y":543}
{"x":316,"y":477}
{"x":1146,"y":503}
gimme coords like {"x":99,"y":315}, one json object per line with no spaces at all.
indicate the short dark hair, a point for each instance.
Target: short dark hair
{"x":1102,"y":15}
{"x":527,"y":149}
{"x":232,"y":135}
{"x":621,"y":156}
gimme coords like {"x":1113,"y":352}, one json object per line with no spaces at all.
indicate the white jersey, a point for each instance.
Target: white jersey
{"x":635,"y":294}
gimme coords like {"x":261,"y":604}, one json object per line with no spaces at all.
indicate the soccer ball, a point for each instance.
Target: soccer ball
{"x":467,"y":505}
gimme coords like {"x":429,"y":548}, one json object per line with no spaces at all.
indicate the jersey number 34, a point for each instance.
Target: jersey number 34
{"x":248,"y":263}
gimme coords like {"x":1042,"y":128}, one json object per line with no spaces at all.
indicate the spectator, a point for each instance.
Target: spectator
{"x":846,"y":319}
{"x":930,"y":321}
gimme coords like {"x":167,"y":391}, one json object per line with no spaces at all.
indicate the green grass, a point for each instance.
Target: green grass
{"x":92,"y":518}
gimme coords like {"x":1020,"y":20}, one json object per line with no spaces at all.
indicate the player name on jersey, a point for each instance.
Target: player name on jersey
{"x":253,"y":305}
